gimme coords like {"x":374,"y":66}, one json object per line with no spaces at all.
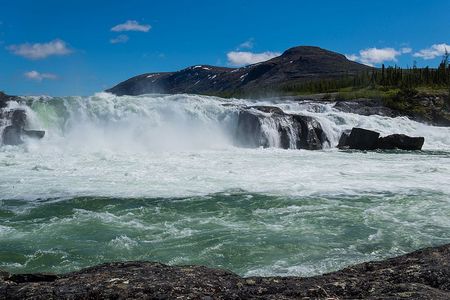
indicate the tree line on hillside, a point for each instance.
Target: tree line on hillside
{"x":383,"y":78}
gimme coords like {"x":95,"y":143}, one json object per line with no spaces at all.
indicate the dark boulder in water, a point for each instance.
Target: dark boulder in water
{"x":423,"y":274}
{"x":14,"y":133}
{"x":400,"y":141}
{"x":310,"y":134}
{"x":363,"y":139}
{"x":343,"y":140}
{"x":267,"y":126}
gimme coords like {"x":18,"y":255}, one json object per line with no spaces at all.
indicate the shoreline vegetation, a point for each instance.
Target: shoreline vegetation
{"x":422,"y":274}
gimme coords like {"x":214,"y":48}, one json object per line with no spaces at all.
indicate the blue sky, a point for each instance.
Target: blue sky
{"x":82,"y":47}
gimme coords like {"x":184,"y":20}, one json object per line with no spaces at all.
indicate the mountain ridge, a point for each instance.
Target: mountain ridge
{"x":297,"y":64}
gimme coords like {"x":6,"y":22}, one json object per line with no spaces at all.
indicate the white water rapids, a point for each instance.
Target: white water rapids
{"x":182,"y":145}
{"x":158,"y":177}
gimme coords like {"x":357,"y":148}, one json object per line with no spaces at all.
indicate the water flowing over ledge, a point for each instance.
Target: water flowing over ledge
{"x":181,"y":122}
{"x":106,"y":145}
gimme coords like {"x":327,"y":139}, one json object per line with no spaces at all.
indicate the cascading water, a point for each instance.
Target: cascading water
{"x":171,"y":122}
{"x":131,"y":123}
{"x":162,"y":178}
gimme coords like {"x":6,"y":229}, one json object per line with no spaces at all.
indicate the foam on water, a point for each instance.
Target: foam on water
{"x":251,"y":234}
{"x":158,"y":177}
{"x":180,"y":122}
{"x":182,"y":145}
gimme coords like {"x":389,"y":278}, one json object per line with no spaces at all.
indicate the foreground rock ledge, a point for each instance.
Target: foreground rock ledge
{"x":424,"y":274}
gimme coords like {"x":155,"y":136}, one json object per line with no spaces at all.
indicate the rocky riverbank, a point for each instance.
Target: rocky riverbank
{"x":423,"y":274}
{"x":433,"y":109}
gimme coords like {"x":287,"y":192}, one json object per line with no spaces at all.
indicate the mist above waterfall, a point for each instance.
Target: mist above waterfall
{"x":105,"y":122}
{"x":131,"y":124}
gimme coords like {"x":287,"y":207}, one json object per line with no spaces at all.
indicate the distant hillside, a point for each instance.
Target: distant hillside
{"x":295,"y":65}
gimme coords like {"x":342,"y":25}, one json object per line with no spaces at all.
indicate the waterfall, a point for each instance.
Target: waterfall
{"x":178,"y":122}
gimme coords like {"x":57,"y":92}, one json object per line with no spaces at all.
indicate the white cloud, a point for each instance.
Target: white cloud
{"x":433,"y":52}
{"x":406,"y":50}
{"x":240,"y":58}
{"x":35,"y":75}
{"x":131,"y":25}
{"x":248,"y":44}
{"x":40,"y":51}
{"x":120,"y":39}
{"x":372,"y":56}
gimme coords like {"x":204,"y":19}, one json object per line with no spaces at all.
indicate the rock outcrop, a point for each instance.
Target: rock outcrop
{"x":343,"y":140}
{"x":5,"y":116}
{"x":423,"y":274}
{"x":5,"y":98}
{"x":364,"y":139}
{"x":265,"y":126}
{"x":16,"y":119}
{"x":400,"y":141}
{"x":366,"y":107}
{"x":432,"y":109}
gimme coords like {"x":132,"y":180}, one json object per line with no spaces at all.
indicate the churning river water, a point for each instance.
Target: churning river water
{"x":159,"y":178}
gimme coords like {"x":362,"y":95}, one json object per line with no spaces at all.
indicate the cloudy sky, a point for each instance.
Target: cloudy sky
{"x":81,"y":47}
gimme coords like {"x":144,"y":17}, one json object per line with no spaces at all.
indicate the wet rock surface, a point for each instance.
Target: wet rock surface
{"x":264,"y":126}
{"x":5,"y":115}
{"x":423,"y":274}
{"x":4,"y":98}
{"x":364,"y":139}
{"x":343,"y":140}
{"x":400,"y":141}
{"x":14,"y":133}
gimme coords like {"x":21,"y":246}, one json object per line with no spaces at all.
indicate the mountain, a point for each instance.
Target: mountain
{"x":298,"y":64}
